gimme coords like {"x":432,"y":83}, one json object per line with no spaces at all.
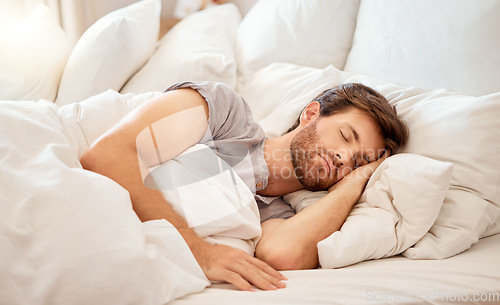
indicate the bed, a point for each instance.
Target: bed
{"x":426,"y":230}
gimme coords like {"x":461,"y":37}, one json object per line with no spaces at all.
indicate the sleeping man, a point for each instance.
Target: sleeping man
{"x":337,"y":142}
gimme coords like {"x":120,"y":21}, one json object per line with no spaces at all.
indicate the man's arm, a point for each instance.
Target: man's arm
{"x":291,"y":244}
{"x":175,"y":121}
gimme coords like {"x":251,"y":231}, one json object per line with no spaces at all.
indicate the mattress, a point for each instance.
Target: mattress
{"x":472,"y":277}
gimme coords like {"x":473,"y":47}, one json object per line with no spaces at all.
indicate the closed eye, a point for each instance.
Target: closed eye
{"x":343,"y":136}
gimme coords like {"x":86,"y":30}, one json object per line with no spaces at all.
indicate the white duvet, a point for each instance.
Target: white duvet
{"x":70,"y":236}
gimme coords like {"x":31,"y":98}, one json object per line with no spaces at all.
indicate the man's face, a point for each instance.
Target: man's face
{"x":328,"y":148}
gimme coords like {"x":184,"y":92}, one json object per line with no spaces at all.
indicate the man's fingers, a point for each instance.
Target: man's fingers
{"x":267,"y":269}
{"x":237,"y":280}
{"x":278,"y":283}
{"x":257,"y":276}
{"x":371,"y":167}
{"x":384,"y":156}
{"x":223,"y":263}
{"x":268,"y":273}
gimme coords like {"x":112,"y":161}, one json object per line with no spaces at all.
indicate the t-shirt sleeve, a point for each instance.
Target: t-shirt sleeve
{"x":230,"y":116}
{"x":232,"y":133}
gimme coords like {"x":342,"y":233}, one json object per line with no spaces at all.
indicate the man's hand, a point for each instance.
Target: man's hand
{"x":227,"y":264}
{"x":361,"y":175}
{"x":292,"y":243}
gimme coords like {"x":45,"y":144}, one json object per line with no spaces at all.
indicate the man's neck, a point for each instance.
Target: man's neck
{"x":282,"y":179}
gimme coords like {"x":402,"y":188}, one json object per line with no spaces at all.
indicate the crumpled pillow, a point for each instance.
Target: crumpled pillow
{"x":281,"y":31}
{"x":400,"y":203}
{"x":110,"y":51}
{"x":198,"y":48}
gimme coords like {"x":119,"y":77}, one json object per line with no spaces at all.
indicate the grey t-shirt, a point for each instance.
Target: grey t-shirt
{"x":237,"y":139}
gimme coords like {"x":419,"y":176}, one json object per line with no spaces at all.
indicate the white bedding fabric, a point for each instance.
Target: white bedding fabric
{"x":190,"y":52}
{"x":400,"y":203}
{"x":468,"y":278}
{"x":444,"y":125}
{"x":65,"y":232}
{"x":43,"y":142}
{"x":213,"y":199}
{"x":110,"y":51}
{"x":38,"y":33}
{"x":454,"y":46}
{"x":71,"y":237}
{"x":272,"y":29}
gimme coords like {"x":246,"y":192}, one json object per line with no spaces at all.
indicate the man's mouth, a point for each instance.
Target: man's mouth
{"x":326,"y":165}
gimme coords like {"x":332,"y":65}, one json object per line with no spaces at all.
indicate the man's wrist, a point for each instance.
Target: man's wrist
{"x":196,"y":244}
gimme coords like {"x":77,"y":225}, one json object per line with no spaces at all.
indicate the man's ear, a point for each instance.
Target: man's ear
{"x":310,"y":113}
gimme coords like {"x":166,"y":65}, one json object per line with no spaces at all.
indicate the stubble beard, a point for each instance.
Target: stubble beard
{"x":303,"y":147}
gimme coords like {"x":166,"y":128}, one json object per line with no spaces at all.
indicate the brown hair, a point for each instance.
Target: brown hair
{"x":338,"y":99}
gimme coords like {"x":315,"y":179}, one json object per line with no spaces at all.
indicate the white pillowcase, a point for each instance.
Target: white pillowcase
{"x":462,"y":130}
{"x":444,"y":44}
{"x":198,"y":48}
{"x":32,"y":57}
{"x":110,"y":51}
{"x":277,"y":93}
{"x":262,"y":89}
{"x":399,"y":204}
{"x":309,"y":33}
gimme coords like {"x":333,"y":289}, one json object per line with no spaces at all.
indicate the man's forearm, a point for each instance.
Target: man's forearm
{"x":292,"y":244}
{"x":150,"y":205}
{"x":120,"y":163}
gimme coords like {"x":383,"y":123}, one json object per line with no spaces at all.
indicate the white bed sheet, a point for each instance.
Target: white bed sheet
{"x":473,"y":274}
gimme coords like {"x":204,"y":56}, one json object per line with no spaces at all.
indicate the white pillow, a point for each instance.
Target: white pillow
{"x":110,"y":51}
{"x":400,"y":203}
{"x":462,"y":130}
{"x":294,"y":94}
{"x":266,"y":88}
{"x":198,"y":48}
{"x":309,"y":33}
{"x":33,"y":53}
{"x":444,"y":44}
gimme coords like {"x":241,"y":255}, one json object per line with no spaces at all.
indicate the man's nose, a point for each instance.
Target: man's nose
{"x":343,"y":160}
{"x":339,"y":160}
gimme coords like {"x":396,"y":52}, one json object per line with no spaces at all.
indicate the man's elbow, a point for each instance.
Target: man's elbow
{"x":88,"y":160}
{"x":287,"y":258}
{"x":94,"y":157}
